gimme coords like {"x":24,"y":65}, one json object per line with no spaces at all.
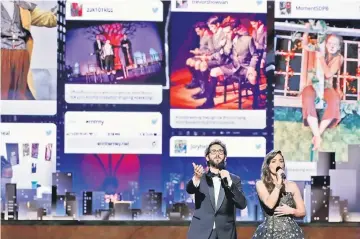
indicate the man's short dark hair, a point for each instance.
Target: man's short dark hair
{"x":200,"y":25}
{"x":216,"y":142}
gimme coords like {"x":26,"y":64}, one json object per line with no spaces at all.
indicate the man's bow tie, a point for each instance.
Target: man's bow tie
{"x":213,"y":175}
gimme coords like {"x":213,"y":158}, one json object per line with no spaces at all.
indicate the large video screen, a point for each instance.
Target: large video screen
{"x":105,"y":107}
{"x":316,"y":101}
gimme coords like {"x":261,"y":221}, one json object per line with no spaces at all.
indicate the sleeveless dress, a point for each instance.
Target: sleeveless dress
{"x":283,"y":227}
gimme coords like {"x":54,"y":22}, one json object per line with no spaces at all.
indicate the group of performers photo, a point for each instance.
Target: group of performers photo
{"x":106,"y":56}
{"x":228,"y":52}
{"x":114,"y":52}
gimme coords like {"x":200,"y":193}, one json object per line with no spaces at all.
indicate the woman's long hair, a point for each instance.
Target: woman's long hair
{"x":265,"y":170}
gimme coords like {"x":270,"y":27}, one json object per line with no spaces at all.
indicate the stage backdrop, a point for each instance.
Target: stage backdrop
{"x":128,"y":126}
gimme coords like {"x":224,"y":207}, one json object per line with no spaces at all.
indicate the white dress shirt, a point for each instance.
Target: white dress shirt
{"x":217,"y":185}
{"x":98,"y":43}
{"x":108,"y":51}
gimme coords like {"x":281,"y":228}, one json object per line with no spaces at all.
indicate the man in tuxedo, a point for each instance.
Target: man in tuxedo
{"x":127,"y":50}
{"x":217,"y":195}
{"x":98,"y":51}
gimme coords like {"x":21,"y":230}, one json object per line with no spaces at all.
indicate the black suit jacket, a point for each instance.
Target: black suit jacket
{"x":97,"y":51}
{"x":96,"y":46}
{"x":206,"y":213}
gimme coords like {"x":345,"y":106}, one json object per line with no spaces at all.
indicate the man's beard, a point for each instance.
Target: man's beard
{"x":219,"y":166}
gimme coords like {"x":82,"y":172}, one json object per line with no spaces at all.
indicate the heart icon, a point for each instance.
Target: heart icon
{"x":155,"y":9}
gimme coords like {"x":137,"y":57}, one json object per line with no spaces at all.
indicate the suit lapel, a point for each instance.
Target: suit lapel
{"x":220,"y":198}
{"x":211,"y":190}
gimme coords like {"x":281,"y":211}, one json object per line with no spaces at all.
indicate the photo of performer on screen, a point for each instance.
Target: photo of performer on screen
{"x":243,"y":61}
{"x":109,"y":60}
{"x":127,"y":50}
{"x":98,"y":51}
{"x":221,"y":49}
{"x":225,"y":63}
{"x":128,"y":57}
{"x":259,"y":34}
{"x":316,"y":90}
{"x":199,"y":79}
{"x":17,"y":17}
{"x":330,"y":64}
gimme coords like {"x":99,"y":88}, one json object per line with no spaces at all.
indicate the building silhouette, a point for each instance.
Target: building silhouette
{"x":151,"y":204}
{"x":87,"y":208}
{"x":11,"y":201}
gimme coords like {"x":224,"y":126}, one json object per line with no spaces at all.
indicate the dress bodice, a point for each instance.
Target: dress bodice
{"x":279,"y":227}
{"x":286,"y":198}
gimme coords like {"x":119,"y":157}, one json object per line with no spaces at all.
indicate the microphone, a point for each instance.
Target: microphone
{"x":221,"y":166}
{"x":282,"y":174}
{"x":225,"y":181}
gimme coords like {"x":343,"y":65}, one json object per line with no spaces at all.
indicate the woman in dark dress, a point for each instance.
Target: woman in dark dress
{"x":280,"y":200}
